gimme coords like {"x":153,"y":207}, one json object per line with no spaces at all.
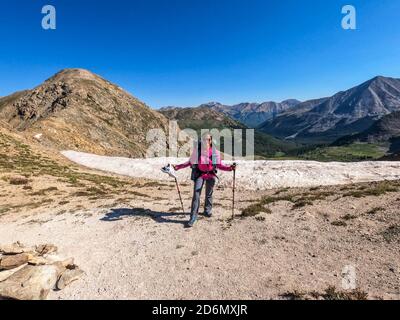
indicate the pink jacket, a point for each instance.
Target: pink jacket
{"x":205,"y":163}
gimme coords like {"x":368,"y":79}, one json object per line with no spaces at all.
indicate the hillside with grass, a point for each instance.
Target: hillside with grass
{"x":76,"y":109}
{"x":35,"y":178}
{"x":346,"y":153}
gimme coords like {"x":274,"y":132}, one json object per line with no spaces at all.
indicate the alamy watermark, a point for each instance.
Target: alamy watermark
{"x":235,"y":144}
{"x":349,"y":21}
{"x":49,"y":21}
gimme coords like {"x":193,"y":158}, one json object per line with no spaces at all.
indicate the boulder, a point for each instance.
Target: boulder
{"x":30,"y":274}
{"x":68,"y":277}
{"x":8,"y":273}
{"x":30,"y":283}
{"x":14,"y":261}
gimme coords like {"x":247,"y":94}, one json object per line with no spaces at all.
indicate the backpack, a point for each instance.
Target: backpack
{"x":196,"y":172}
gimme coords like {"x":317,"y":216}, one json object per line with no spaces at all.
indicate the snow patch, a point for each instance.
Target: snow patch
{"x":251,"y":175}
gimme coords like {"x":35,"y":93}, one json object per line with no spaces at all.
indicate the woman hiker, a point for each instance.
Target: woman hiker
{"x":204,"y":171}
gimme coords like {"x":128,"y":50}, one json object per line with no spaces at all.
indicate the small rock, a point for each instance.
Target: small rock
{"x":68,"y":263}
{"x":68,"y":277}
{"x":53,"y":258}
{"x":46,"y":249}
{"x":38,"y":137}
{"x":38,"y":261}
{"x":14,"y":261}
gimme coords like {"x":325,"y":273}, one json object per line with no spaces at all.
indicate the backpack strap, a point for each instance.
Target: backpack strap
{"x":198,"y":152}
{"x":214,"y":158}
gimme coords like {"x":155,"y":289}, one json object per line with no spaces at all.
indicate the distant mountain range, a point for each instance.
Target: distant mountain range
{"x":253,"y":114}
{"x":346,"y":113}
{"x":76,"y":109}
{"x":201,"y":117}
{"x":205,"y":117}
{"x":366,"y":113}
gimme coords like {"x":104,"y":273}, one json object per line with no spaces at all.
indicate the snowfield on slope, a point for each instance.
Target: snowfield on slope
{"x":251,"y":175}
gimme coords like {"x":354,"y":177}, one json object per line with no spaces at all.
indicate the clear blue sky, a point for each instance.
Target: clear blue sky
{"x":186,"y":52}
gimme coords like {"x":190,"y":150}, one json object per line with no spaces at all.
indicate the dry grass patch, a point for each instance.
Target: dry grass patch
{"x":348,"y":217}
{"x":375,"y":210}
{"x":377,"y":190}
{"x":392,"y":233}
{"x":254,"y":210}
{"x":43,"y":192}
{"x":331,"y":293}
{"x":18,"y":181}
{"x":339,"y":223}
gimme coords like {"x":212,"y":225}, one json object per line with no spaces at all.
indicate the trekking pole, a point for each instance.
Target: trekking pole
{"x":167,"y":170}
{"x":233,"y":192}
{"x":180,"y":196}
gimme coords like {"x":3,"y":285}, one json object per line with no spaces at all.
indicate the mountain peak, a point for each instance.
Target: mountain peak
{"x":211,"y":104}
{"x":74,"y":74}
{"x":77,"y":109}
{"x":380,"y":80}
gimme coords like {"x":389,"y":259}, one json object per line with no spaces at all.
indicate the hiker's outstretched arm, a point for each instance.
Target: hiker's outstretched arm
{"x":224,"y":167}
{"x":221,"y":166}
{"x":192,"y":160}
{"x":182,"y":166}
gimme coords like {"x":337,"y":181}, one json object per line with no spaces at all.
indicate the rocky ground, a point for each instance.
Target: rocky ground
{"x":132,"y":243}
{"x":128,"y":235}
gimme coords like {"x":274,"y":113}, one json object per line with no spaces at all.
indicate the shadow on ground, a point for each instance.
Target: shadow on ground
{"x":160,"y":217}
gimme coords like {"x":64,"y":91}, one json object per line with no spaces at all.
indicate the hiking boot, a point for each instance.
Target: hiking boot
{"x":208,"y":215}
{"x":191,"y":222}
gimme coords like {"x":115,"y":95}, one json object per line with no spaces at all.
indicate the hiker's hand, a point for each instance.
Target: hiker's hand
{"x":233,"y":167}
{"x":173,"y":166}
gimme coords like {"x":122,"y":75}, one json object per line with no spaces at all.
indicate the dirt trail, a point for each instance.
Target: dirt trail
{"x":134,"y":246}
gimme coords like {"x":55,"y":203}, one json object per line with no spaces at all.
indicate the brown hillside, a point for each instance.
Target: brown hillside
{"x":76,"y":109}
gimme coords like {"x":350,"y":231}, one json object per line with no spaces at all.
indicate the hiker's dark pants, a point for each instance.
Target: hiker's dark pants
{"x":198,"y":187}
